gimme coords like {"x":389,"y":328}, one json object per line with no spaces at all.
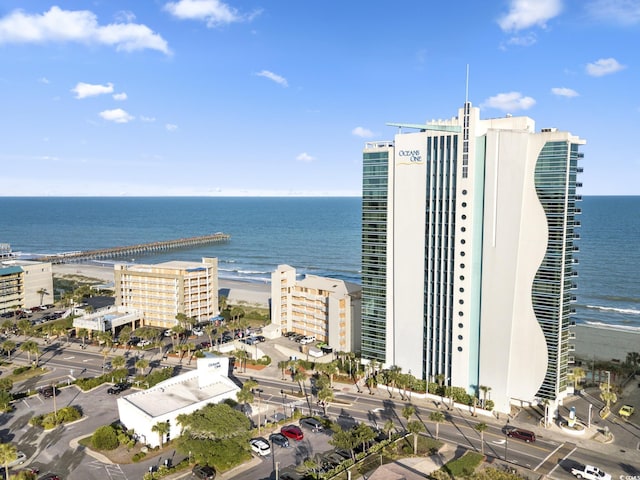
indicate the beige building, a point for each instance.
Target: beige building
{"x":164,"y":290}
{"x":326,"y":308}
{"x":25,"y":284}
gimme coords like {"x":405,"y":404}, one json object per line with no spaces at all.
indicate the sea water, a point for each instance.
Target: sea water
{"x":319,"y":236}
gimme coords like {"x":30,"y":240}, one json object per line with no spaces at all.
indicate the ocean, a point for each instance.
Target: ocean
{"x":319,"y":236}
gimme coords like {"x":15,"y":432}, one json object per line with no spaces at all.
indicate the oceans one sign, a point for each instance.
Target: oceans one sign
{"x":214,"y":365}
{"x":413,"y":156}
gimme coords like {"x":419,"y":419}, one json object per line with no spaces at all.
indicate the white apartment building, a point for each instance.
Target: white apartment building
{"x":162,"y":291}
{"x":468,"y":243}
{"x":326,"y":308}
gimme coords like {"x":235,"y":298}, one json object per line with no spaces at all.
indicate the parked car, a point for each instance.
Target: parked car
{"x":197,"y":331}
{"x":311,"y":423}
{"x":308,"y":339}
{"x":50,"y":476}
{"x":590,"y":472}
{"x":279,"y":439}
{"x":48,"y":391}
{"x":118,"y":388}
{"x":521,"y":434}
{"x":260,"y":446}
{"x":203,"y":472}
{"x":20,"y":459}
{"x":291,"y":431}
{"x":260,"y":338}
{"x":249,"y":340}
{"x":143,"y":343}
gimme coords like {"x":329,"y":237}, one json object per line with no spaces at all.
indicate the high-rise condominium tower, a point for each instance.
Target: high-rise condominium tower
{"x":468,"y":242}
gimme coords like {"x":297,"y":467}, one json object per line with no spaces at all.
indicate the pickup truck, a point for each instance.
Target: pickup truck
{"x":589,"y":472}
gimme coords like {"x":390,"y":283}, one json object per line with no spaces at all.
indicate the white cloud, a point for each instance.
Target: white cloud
{"x":171,"y":127}
{"x":523,"y":40}
{"x":273,"y":76}
{"x":564,"y":92}
{"x":604,"y":66}
{"x":305,"y":157}
{"x":624,"y":12}
{"x":529,"y":13}
{"x":214,"y":12}
{"x":511,"y":101}
{"x":44,"y":80}
{"x":116,"y":115}
{"x":147,"y":119}
{"x":84,"y":90}
{"x":125,"y":16}
{"x":362,"y":132}
{"x":80,"y":26}
{"x":120,"y":96}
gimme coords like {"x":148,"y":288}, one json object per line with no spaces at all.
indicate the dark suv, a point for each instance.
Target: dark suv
{"x":311,"y":423}
{"x":520,"y":434}
{"x":117,"y":388}
{"x":48,"y":392}
{"x":203,"y":472}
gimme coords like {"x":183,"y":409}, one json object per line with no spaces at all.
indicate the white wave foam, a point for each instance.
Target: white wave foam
{"x":628,"y":311}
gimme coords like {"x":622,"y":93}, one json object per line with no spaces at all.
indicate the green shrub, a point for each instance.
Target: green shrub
{"x":489,"y":405}
{"x":19,"y":370}
{"x":105,"y":438}
{"x":465,"y":465}
{"x":138,"y":456}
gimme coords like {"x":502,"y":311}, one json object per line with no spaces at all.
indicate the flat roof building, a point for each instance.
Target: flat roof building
{"x":164,"y":290}
{"x":326,"y":308}
{"x":468,"y":254}
{"x":25,"y":284}
{"x":183,"y":394}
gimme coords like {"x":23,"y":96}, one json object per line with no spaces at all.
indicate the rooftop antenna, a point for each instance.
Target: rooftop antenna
{"x":466,"y":89}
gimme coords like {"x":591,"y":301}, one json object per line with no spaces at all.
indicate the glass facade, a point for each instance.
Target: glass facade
{"x":374,"y":253}
{"x":555,"y":181}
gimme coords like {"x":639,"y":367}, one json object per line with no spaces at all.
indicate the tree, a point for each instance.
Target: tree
{"x":343,"y":439}
{"x":118,"y":361}
{"x":363,"y":434}
{"x":24,"y":327}
{"x":142,"y":364}
{"x":325,"y":396}
{"x":577,"y":375}
{"x":8,"y":346}
{"x":161,"y":428}
{"x":415,"y":427}
{"x":242,"y":356}
{"x":387,"y":427}
{"x":216,"y":435}
{"x":300,"y":377}
{"x":222,"y":303}
{"x":209,"y":330}
{"x":125,"y":335}
{"x":82,"y":333}
{"x":245,"y":396}
{"x":182,"y":319}
{"x":31,"y":348}
{"x":408,"y":411}
{"x":176,"y":332}
{"x":437,"y":418}
{"x":42,"y":292}
{"x":283,"y":365}
{"x":484,"y":389}
{"x":8,"y":453}
{"x":481,"y":427}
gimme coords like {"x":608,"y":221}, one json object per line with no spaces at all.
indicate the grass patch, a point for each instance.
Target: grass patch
{"x":426,"y":445}
{"x":465,"y":465}
{"x":27,"y":374}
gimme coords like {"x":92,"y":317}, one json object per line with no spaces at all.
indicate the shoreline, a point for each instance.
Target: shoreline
{"x":237,"y":291}
{"x":604,"y":342}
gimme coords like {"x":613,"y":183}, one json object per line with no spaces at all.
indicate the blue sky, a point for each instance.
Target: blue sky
{"x":205,"y":97}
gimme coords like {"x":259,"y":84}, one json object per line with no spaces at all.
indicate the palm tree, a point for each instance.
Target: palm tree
{"x":325,"y":395}
{"x":577,"y":375}
{"x":283,"y":365}
{"x":24,"y":326}
{"x":31,"y":347}
{"x":182,"y":319}
{"x":484,"y":389}
{"x":142,"y":364}
{"x":42,"y":292}
{"x":8,"y":453}
{"x":82,"y":333}
{"x":176,"y":332}
{"x":209,"y":330}
{"x":394,"y":373}
{"x":300,"y":377}
{"x":245,"y":396}
{"x":387,"y":427}
{"x":161,"y":428}
{"x":481,"y":427}
{"x":437,"y":418}
{"x":118,"y":361}
{"x":222,"y":303}
{"x":8,"y":346}
{"x":408,"y":411}
{"x":242,"y":355}
{"x":415,"y":427}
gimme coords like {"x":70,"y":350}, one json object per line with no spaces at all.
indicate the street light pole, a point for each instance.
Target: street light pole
{"x":283,"y":410}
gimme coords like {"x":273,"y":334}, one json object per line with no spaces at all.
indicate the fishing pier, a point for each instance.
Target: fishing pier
{"x":140,"y":249}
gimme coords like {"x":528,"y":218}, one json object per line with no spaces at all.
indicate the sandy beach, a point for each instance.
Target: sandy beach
{"x":237,"y":292}
{"x":594,"y":342}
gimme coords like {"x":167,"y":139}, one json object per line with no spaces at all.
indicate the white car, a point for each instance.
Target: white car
{"x":197,"y":332}
{"x":307,"y":339}
{"x":260,"y":446}
{"x":143,"y":343}
{"x":20,"y":459}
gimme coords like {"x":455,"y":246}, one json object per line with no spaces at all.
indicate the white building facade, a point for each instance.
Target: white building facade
{"x":468,"y":254}
{"x":183,"y":394}
{"x":25,"y":284}
{"x":163,"y":290}
{"x":326,"y":308}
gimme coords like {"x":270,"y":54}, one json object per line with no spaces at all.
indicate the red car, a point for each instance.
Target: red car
{"x":292,"y":431}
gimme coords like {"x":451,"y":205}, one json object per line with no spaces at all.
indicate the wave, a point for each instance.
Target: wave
{"x":244,"y":272}
{"x":628,"y":311}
